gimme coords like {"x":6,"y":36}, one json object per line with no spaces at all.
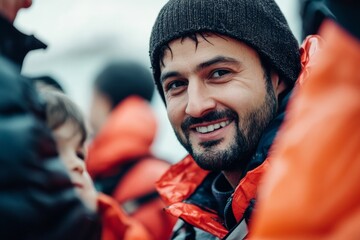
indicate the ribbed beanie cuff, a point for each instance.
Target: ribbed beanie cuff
{"x":258,"y":23}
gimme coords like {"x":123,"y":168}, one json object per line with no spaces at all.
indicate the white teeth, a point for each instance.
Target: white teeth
{"x":212,"y":127}
{"x":203,"y":129}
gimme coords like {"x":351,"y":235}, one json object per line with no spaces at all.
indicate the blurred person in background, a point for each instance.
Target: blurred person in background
{"x":225,"y":70}
{"x":68,"y":127}
{"x":37,"y":198}
{"x":312,"y":189}
{"x":120,"y":159}
{"x":313,"y":12}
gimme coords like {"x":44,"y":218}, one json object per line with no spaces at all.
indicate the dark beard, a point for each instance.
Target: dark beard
{"x":248,"y":133}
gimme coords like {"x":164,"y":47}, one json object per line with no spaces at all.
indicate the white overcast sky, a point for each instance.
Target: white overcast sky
{"x":83,"y":35}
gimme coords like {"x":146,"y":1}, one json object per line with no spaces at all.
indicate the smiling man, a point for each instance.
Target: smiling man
{"x":219,"y":98}
{"x":225,"y":70}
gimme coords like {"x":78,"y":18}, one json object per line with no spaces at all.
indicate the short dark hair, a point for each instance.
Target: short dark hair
{"x":60,"y":109}
{"x":119,"y":80}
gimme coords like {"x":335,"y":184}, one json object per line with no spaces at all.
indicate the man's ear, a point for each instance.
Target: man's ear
{"x":278,"y":84}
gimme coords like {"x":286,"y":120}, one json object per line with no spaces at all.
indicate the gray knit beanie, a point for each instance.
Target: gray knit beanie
{"x":258,"y":23}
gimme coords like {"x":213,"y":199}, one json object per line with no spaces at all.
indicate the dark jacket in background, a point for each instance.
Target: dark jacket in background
{"x":37,"y":199}
{"x":14,"y":45}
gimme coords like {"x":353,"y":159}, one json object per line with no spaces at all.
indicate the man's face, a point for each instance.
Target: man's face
{"x":218,"y":100}
{"x":9,"y":8}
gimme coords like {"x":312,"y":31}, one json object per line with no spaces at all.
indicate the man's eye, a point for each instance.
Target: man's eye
{"x":175,"y":85}
{"x":219,"y":73}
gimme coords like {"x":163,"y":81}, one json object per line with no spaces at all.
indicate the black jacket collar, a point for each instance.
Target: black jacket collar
{"x":269,"y":134}
{"x":14,"y":45}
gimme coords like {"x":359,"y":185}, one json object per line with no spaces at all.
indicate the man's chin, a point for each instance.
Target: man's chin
{"x":209,"y":162}
{"x":220,"y":156}
{"x":208,"y":145}
{"x":209,"y":155}
{"x":214,"y":146}
{"x":209,"y":159}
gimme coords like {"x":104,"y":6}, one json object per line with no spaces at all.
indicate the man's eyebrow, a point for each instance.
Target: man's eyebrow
{"x":215,"y":60}
{"x":167,"y":75}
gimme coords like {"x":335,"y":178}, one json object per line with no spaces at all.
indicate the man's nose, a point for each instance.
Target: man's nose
{"x":200,"y":100}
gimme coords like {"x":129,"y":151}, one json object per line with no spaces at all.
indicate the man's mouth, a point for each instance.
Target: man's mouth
{"x":211,"y":127}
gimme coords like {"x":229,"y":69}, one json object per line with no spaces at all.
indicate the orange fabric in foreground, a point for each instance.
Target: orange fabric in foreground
{"x":312,"y":189}
{"x":116,"y":224}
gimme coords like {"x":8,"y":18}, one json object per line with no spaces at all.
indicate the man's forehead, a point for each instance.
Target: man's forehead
{"x":197,"y":38}
{"x":192,"y":42}
{"x":207,"y":40}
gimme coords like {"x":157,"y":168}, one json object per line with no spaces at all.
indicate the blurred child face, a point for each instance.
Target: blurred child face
{"x":72,"y":153}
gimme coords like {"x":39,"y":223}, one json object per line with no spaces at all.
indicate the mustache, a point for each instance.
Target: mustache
{"x":211,"y":116}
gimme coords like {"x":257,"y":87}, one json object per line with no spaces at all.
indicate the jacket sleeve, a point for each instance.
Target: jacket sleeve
{"x":117,"y":224}
{"x":312,"y":188}
{"x":37,"y":199}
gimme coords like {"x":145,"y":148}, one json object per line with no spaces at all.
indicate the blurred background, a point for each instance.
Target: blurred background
{"x":83,"y":35}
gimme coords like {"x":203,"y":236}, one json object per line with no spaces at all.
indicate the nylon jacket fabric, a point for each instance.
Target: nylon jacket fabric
{"x":312,"y":189}
{"x":37,"y":198}
{"x":127,"y":136}
{"x":14,"y":45}
{"x":184,"y":179}
{"x":116,"y":224}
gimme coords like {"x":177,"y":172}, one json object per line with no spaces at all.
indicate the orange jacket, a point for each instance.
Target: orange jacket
{"x":312,"y":190}
{"x":127,"y":136}
{"x":183,"y":178}
{"x":116,"y":224}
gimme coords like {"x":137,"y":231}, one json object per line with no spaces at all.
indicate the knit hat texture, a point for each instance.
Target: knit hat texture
{"x":258,"y":23}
